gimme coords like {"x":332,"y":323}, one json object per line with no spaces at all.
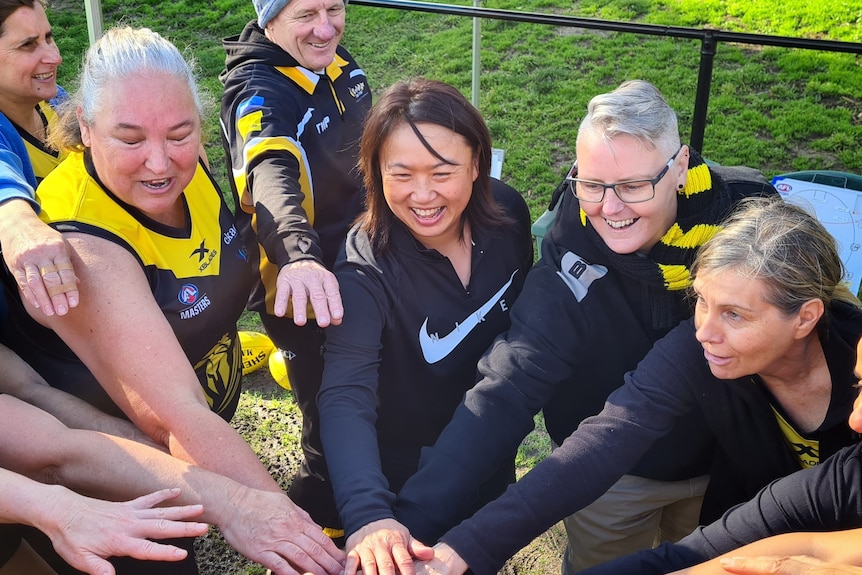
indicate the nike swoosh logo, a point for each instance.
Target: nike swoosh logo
{"x":436,"y":348}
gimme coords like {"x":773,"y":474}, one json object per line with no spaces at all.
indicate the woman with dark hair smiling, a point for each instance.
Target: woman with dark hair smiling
{"x":427,"y":278}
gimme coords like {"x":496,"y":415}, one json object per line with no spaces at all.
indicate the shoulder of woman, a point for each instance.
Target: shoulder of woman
{"x":509,"y":199}
{"x":742,"y":181}
{"x":357,"y":251}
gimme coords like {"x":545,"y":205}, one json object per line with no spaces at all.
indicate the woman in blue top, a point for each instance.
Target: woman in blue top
{"x":29,"y":58}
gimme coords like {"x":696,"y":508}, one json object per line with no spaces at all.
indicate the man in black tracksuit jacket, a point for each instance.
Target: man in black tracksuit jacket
{"x":292,"y":112}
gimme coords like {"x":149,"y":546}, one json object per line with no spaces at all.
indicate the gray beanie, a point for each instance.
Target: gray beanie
{"x":267,"y":10}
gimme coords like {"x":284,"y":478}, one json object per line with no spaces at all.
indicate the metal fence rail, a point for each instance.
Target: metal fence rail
{"x":709,"y":40}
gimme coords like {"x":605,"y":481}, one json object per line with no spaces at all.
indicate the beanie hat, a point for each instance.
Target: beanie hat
{"x":267,"y":10}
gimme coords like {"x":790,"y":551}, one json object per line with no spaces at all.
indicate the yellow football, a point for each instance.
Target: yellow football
{"x":256,"y":349}
{"x":278,"y":369}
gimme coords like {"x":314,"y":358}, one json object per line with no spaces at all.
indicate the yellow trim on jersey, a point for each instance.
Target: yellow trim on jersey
{"x":255,"y":147}
{"x":42,"y":158}
{"x":84,"y":201}
{"x":305,"y":79}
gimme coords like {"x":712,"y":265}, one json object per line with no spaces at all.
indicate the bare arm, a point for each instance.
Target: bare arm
{"x":38,"y":258}
{"x":781,"y":554}
{"x":262,"y":525}
{"x":150,"y":380}
{"x":85,"y":532}
{"x":20,"y":380}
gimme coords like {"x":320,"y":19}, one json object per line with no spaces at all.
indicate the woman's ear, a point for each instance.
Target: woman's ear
{"x":85,"y":129}
{"x":809,"y":315}
{"x":680,"y":168}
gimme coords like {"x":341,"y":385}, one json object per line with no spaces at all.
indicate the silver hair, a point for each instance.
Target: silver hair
{"x":120,"y":53}
{"x":636,"y":108}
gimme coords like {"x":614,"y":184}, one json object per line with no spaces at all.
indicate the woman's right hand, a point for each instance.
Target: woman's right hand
{"x":384,"y":547}
{"x":87,"y":531}
{"x":38,"y":258}
{"x":270,"y":529}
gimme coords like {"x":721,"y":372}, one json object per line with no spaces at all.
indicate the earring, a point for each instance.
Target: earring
{"x":679,"y":187}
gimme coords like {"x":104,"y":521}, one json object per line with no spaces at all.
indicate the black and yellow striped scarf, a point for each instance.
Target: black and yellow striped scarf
{"x":701,"y":206}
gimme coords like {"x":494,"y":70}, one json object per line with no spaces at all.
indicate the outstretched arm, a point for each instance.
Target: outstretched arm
{"x":158,"y":390}
{"x":20,"y":380}
{"x":264,"y":526}
{"x":85,"y":532}
{"x":831,"y":553}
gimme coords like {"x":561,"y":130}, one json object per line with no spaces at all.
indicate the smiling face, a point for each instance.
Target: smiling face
{"x":741,"y":332}
{"x":426,"y":193}
{"x":28,"y":58}
{"x":629,"y":228}
{"x":309,"y":30}
{"x":145,"y":143}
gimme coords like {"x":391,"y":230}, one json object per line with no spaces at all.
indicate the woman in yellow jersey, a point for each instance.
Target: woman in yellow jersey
{"x":29,"y":58}
{"x":165,"y":273}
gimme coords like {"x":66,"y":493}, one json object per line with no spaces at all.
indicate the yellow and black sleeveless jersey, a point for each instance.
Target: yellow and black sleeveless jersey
{"x":199,"y":275}
{"x":43,"y":158}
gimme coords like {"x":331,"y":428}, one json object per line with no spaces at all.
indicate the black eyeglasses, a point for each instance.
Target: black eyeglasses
{"x":631,"y":192}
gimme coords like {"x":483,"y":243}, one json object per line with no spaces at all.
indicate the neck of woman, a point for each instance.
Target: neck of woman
{"x":460,"y":253}
{"x":25,"y":116}
{"x":802,"y":384}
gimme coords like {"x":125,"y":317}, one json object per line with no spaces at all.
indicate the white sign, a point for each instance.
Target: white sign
{"x":840,"y":212}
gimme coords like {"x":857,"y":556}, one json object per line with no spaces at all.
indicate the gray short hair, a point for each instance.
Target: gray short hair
{"x":635,"y":108}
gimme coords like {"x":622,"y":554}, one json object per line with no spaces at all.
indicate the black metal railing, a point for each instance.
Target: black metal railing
{"x":709,"y":40}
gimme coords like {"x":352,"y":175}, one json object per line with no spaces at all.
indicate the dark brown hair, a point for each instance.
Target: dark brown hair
{"x":7,"y":7}
{"x":423,"y":101}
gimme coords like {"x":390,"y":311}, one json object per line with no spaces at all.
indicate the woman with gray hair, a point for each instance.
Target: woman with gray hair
{"x":632,"y":213}
{"x":768,"y":358}
{"x":166,"y":276}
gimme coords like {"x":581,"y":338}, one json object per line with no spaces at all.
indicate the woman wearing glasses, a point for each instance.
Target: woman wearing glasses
{"x":768,"y":357}
{"x":610,"y":283}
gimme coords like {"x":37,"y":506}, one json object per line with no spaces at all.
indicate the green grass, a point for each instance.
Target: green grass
{"x":777,"y":109}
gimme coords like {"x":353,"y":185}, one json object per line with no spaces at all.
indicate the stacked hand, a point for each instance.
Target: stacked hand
{"x":384,"y":547}
{"x":305,"y":282}
{"x":268,"y":528}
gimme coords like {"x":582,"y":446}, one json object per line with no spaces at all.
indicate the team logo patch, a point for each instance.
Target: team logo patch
{"x":188,"y":294}
{"x":578,"y":275}
{"x":357,"y":91}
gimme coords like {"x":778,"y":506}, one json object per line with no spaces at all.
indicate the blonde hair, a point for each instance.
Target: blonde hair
{"x":783,"y":246}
